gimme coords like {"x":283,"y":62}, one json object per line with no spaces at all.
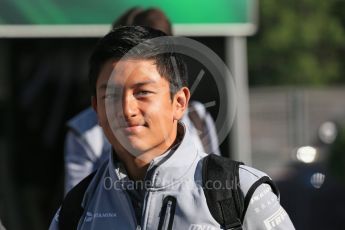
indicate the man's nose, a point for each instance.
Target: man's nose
{"x":129,"y":106}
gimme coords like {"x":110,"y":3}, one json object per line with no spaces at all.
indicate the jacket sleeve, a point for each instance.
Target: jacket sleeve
{"x":78,"y":160}
{"x":208,"y":129}
{"x":212,"y":133}
{"x":264,"y":211}
{"x":54,"y":225}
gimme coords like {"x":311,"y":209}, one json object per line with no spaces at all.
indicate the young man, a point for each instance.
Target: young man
{"x":153,"y":177}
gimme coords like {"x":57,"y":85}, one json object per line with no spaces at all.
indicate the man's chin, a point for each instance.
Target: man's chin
{"x":135,"y":149}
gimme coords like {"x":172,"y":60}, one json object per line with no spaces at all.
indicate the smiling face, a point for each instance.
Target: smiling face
{"x":135,"y":108}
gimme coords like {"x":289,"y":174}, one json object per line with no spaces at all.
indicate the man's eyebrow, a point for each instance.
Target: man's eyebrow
{"x":138,"y":84}
{"x":114,"y":87}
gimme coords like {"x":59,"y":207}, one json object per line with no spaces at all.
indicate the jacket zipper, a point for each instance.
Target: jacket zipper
{"x":149,"y":176}
{"x":167,"y":213}
{"x":143,"y":208}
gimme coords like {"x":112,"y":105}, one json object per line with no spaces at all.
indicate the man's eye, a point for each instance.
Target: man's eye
{"x":142,"y":93}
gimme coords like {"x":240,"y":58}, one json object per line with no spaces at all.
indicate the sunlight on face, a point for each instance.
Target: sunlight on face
{"x":134,"y":106}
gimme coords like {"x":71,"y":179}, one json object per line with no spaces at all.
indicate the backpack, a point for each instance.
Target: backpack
{"x":226,"y":202}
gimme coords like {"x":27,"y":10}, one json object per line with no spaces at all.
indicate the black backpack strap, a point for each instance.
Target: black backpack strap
{"x":222,"y":190}
{"x":71,"y":210}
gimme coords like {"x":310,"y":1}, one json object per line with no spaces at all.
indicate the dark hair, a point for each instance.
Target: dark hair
{"x":123,"y":42}
{"x":154,"y":18}
{"x":151,"y":17}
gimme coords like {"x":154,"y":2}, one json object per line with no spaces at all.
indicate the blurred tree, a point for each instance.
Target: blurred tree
{"x":337,"y":156}
{"x":299,"y":42}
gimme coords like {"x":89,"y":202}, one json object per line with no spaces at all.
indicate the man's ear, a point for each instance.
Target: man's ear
{"x":94,"y":103}
{"x":94,"y":106}
{"x":180,"y":103}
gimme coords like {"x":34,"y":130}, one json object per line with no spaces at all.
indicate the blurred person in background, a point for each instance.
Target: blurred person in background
{"x":1,"y":226}
{"x":86,"y":146}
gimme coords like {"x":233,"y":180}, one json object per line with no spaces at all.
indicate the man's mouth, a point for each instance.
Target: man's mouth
{"x":130,"y":128}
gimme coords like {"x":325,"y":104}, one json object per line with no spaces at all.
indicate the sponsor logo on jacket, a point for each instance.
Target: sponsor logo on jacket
{"x":276,"y":219}
{"x":91,"y":216}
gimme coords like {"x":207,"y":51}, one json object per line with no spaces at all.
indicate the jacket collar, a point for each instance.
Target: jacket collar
{"x":167,"y":169}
